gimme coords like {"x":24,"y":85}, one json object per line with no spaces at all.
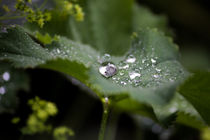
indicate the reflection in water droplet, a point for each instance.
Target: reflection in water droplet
{"x":133,"y":75}
{"x":2,"y":90}
{"x":130,"y":59}
{"x":108,"y":70}
{"x":6,"y":76}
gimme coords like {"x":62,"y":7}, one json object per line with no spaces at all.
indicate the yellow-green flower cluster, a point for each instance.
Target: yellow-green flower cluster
{"x":205,"y":134}
{"x":6,"y":8}
{"x":42,"y":110}
{"x":38,"y":16}
{"x":62,"y":133}
{"x":73,"y":9}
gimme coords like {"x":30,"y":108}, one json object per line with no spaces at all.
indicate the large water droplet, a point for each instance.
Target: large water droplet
{"x":2,"y":90}
{"x":108,"y":70}
{"x":130,"y":59}
{"x":6,"y":76}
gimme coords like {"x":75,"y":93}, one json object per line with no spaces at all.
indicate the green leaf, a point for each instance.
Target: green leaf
{"x":196,"y":90}
{"x":134,"y":107}
{"x":190,"y":120}
{"x":11,"y":81}
{"x":181,"y":109}
{"x":107,"y":26}
{"x":156,"y":64}
{"x":143,"y":18}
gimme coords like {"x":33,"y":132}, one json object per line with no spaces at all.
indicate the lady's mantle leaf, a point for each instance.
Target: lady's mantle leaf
{"x":148,"y":73}
{"x":196,"y":90}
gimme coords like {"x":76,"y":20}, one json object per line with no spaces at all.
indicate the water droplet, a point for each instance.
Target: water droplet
{"x":106,"y":99}
{"x":172,"y":109}
{"x":58,"y":51}
{"x":153,"y":60}
{"x":113,"y":78}
{"x":130,"y":59}
{"x":6,"y":76}
{"x":106,"y":57}
{"x":2,"y":90}
{"x":133,"y":75}
{"x":121,"y":73}
{"x":108,"y":70}
{"x":158,"y":70}
{"x":143,"y":61}
{"x":155,"y":76}
{"x":123,"y":83}
{"x":124,"y":67}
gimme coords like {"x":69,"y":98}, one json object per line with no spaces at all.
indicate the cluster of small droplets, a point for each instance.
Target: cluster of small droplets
{"x":140,"y":70}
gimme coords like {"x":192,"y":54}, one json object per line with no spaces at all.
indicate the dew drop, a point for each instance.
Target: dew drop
{"x":172,"y":109}
{"x":108,"y":70}
{"x":2,"y":90}
{"x":153,"y":60}
{"x":123,"y":83}
{"x":6,"y":76}
{"x":106,"y":57}
{"x":124,"y":67}
{"x":121,"y":73}
{"x":158,"y":70}
{"x":130,"y":59}
{"x":133,"y":75}
{"x":155,"y":76}
{"x":143,"y":61}
{"x":58,"y":51}
{"x":106,"y":99}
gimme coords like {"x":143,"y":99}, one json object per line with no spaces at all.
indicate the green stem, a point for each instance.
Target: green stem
{"x":112,"y":125}
{"x":12,"y":17}
{"x":104,"y":120}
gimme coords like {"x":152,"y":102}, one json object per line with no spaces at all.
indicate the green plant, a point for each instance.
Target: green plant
{"x":144,"y":78}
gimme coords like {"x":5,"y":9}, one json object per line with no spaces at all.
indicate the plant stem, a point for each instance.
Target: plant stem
{"x":112,"y":125}
{"x":104,"y":119}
